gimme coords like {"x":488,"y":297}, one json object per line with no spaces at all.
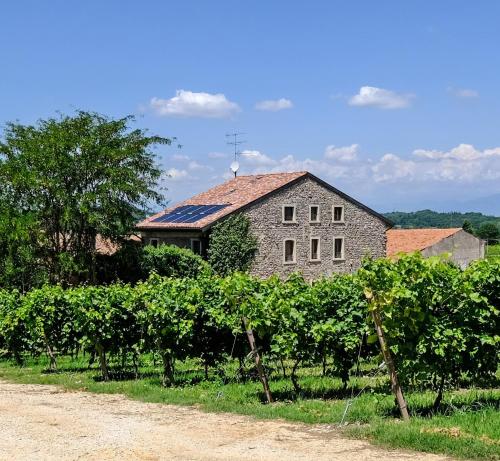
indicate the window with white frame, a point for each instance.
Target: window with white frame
{"x":338,"y":248}
{"x":289,"y":214}
{"x":338,"y":213}
{"x":196,"y":246}
{"x":314,"y":213}
{"x":154,"y":242}
{"x":289,"y":251}
{"x":314,"y":254}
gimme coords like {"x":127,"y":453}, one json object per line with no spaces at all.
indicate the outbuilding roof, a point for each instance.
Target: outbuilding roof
{"x":411,"y":240}
{"x":210,"y":206}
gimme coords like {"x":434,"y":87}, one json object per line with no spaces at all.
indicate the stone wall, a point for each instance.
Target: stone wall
{"x":179,"y":238}
{"x":364,"y":233}
{"x":464,"y":248}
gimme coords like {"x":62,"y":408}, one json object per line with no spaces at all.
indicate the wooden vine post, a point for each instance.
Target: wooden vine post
{"x":258,"y":361}
{"x":396,"y":388}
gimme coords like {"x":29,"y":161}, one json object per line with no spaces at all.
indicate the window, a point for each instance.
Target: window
{"x":315,"y":249}
{"x":289,"y":213}
{"x":154,"y":242}
{"x":313,"y":213}
{"x":289,"y":252}
{"x":338,"y":214}
{"x":338,"y":248}
{"x":196,"y":246}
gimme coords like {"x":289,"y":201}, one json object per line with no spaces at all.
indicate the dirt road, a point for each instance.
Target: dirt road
{"x":48,"y":423}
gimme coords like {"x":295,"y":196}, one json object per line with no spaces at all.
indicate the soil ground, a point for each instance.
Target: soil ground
{"x":48,"y":423}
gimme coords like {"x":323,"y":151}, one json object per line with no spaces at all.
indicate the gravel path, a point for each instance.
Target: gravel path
{"x":49,"y":423}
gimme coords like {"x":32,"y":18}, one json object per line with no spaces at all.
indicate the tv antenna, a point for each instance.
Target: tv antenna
{"x":235,"y":142}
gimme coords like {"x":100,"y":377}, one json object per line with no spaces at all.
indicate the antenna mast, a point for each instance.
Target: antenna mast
{"x":235,"y":142}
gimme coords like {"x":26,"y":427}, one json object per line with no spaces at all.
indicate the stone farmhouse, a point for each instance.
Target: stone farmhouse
{"x":462,"y":247}
{"x":301,"y":224}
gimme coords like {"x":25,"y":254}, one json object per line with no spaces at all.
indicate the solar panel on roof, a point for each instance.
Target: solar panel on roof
{"x":189,"y":213}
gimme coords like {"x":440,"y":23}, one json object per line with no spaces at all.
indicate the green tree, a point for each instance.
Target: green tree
{"x":232,"y":246}
{"x":74,"y":177}
{"x":467,"y":227}
{"x":489,"y":231}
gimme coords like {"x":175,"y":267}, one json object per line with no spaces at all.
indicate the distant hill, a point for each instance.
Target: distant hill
{"x":429,"y":218}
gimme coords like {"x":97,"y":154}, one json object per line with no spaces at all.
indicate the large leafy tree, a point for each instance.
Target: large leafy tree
{"x":74,"y":178}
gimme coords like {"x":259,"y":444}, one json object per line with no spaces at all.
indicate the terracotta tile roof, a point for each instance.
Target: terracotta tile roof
{"x":236,"y":193}
{"x":104,"y":246}
{"x":410,"y":240}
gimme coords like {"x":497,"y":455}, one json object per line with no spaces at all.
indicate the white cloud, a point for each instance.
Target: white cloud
{"x":342,"y":154}
{"x":194,"y":165}
{"x":274,"y":105}
{"x":189,"y":163}
{"x":254,"y":157}
{"x":290,"y":163}
{"x":392,"y":168}
{"x":175,"y":174}
{"x":464,"y":164}
{"x":461,"y":152}
{"x":465,"y":93}
{"x":378,"y":97}
{"x":190,"y":104}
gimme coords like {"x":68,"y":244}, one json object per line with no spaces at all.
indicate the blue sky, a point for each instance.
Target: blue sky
{"x":397,"y":103}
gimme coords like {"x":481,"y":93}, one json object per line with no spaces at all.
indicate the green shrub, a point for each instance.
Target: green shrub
{"x":167,"y":314}
{"x":107,"y":321}
{"x":14,"y":337}
{"x":49,"y":318}
{"x":172,"y":261}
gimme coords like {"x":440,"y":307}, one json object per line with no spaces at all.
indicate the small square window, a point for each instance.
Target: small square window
{"x":289,"y":252}
{"x":315,"y":249}
{"x":289,"y":213}
{"x":338,"y":214}
{"x":314,"y":213}
{"x":154,"y":242}
{"x":338,"y":248}
{"x":196,"y":246}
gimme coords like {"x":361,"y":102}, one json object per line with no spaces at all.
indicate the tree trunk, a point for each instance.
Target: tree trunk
{"x":396,"y":388}
{"x":135,"y":364}
{"x":293,"y":376}
{"x":168,"y":371}
{"x":102,"y":362}
{"x":258,"y":362}
{"x":283,"y":369}
{"x":17,"y":357}
{"x":52,"y":359}
{"x":241,"y":363}
{"x":439,"y":397}
{"x":50,"y":354}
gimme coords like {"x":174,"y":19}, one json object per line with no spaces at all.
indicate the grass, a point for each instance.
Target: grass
{"x":468,"y":425}
{"x":493,"y":251}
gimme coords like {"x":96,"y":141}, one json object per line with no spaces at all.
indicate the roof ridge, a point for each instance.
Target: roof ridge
{"x":270,"y":174}
{"x":424,"y":228}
